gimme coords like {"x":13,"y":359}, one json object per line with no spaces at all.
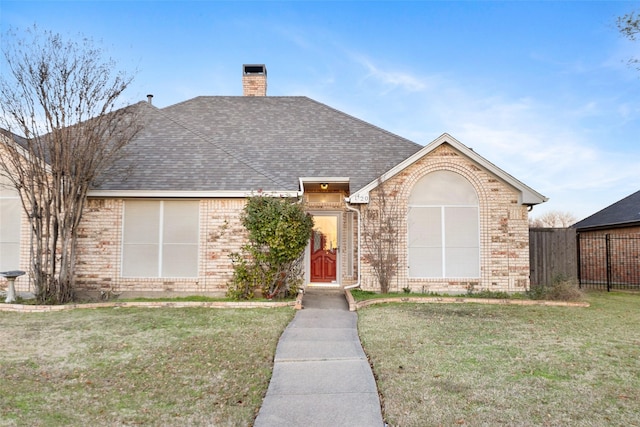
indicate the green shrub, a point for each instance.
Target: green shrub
{"x":279,"y":230}
{"x":243,"y":282}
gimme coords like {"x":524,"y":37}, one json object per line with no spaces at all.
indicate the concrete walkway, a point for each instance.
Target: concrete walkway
{"x":321,"y":376}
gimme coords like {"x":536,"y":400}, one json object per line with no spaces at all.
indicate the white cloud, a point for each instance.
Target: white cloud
{"x":545,"y":143}
{"x":548,"y":150}
{"x":392,"y":79}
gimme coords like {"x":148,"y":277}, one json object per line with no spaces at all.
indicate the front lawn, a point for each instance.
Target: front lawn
{"x":474,"y":364}
{"x":137,"y":366}
{"x":436,"y":364}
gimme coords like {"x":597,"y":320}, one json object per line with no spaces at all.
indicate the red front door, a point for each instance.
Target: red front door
{"x":324,"y":248}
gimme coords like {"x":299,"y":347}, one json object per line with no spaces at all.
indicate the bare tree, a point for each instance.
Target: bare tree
{"x":381,"y":221}
{"x":553,"y":219}
{"x":629,"y":26}
{"x":58,"y":106}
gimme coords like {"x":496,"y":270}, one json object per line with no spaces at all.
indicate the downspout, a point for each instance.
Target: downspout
{"x":357,"y":211}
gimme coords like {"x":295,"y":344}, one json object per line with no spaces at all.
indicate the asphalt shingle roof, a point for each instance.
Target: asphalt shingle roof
{"x":250,"y":143}
{"x":625,"y":212}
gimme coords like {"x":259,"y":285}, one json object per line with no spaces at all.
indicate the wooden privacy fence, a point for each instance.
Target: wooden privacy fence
{"x":596,"y":261}
{"x":552,"y":252}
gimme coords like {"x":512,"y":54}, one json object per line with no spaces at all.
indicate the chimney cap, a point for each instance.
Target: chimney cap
{"x":254,"y":69}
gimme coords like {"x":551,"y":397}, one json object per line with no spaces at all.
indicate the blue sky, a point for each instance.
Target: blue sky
{"x":541,"y":89}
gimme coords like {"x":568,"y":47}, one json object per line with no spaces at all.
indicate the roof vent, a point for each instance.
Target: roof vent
{"x":149,"y":98}
{"x":254,"y":80}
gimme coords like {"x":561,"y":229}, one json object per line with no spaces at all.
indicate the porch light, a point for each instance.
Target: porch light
{"x":11,"y":278}
{"x":324,"y":186}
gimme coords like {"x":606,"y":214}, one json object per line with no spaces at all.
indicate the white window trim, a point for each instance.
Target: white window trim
{"x":443,"y":236}
{"x":160,"y":246}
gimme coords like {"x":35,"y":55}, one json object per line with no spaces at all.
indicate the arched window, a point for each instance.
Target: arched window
{"x":443,"y":227}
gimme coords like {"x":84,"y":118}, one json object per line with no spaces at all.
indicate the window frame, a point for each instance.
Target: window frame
{"x":159,"y":243}
{"x":442,"y":234}
{"x":10,"y":194}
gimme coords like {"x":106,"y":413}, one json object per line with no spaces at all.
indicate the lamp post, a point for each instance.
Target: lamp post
{"x":11,"y":278}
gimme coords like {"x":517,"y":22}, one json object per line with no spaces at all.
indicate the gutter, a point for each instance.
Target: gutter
{"x":190,"y":194}
{"x":357,"y":211}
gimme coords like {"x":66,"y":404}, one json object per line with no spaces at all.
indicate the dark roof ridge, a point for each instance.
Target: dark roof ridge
{"x":177,"y":104}
{"x":321,"y":104}
{"x":204,"y":138}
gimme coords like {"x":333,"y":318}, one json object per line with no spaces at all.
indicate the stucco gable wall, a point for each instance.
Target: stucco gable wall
{"x":504,"y":238}
{"x":100,"y":250}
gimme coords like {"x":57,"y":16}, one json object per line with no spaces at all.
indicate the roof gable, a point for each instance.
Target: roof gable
{"x":528,"y":196}
{"x":625,"y":212}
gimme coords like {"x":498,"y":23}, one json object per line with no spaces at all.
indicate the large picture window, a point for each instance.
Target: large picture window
{"x":160,"y":239}
{"x":10,"y":213}
{"x":443,"y":227}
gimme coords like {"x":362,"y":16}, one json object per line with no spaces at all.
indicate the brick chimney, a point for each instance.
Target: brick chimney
{"x":254,"y":80}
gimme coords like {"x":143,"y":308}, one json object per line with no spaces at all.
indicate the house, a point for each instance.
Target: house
{"x":622,"y":217}
{"x":609,"y":245}
{"x":166,"y":217}
{"x":11,"y":218}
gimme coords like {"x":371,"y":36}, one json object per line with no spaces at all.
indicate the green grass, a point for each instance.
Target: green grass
{"x":473,"y":364}
{"x":130,"y":366}
{"x":436,"y":364}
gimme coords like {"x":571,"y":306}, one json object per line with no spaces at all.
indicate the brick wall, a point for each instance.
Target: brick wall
{"x":620,"y":264}
{"x":622,"y":231}
{"x":504,"y":251}
{"x":504,"y":238}
{"x":221,"y":233}
{"x":100,"y":250}
{"x":99,"y":245}
{"x":254,"y":85}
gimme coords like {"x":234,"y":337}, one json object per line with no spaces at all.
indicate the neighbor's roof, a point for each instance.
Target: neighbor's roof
{"x":220,"y":143}
{"x":623,"y":213}
{"x":17,"y":138}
